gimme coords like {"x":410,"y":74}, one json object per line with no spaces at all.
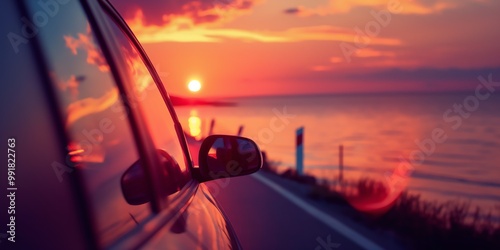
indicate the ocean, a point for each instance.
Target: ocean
{"x":453,"y":139}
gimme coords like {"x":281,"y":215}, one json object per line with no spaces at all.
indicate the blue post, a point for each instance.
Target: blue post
{"x":212,"y":125}
{"x":300,"y":151}
{"x":240,"y":130}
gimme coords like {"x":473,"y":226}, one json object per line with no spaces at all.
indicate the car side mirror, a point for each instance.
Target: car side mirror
{"x":135,"y":186}
{"x":224,"y":156}
{"x":134,"y":182}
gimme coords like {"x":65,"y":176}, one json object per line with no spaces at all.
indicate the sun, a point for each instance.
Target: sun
{"x":194,"y":86}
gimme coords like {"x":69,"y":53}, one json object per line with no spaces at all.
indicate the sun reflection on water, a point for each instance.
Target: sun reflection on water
{"x":194,"y":123}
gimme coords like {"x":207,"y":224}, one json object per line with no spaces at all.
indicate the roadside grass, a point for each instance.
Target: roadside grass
{"x":420,"y":223}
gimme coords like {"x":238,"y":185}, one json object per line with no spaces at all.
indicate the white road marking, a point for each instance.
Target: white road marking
{"x":331,"y":222}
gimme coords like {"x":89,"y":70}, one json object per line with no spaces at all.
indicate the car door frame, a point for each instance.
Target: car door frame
{"x":165,"y":211}
{"x":193,"y":186}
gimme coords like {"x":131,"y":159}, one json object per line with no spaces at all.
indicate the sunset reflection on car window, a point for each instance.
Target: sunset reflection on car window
{"x":101,"y":145}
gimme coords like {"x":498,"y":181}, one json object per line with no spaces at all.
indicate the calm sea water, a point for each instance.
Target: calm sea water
{"x":376,"y":131}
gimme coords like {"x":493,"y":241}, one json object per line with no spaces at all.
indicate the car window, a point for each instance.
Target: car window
{"x":175,"y":165}
{"x":102,"y":147}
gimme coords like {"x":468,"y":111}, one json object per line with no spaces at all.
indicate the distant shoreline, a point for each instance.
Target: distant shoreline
{"x":180,"y":101}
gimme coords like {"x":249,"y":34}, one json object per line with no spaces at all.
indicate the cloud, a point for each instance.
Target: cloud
{"x":336,"y":59}
{"x":86,"y":43}
{"x":199,"y":11}
{"x":464,"y":77}
{"x":367,"y":52}
{"x":71,"y":85}
{"x":388,"y":80}
{"x":181,"y":30}
{"x":139,"y":74}
{"x":87,"y":106}
{"x":320,"y":68}
{"x":420,"y":7}
{"x":367,"y":58}
{"x":294,"y":10}
{"x":193,"y":21}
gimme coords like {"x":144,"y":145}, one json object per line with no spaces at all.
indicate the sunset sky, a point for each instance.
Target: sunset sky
{"x":271,"y":47}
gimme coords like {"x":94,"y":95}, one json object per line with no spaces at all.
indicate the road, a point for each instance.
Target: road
{"x":269,"y":212}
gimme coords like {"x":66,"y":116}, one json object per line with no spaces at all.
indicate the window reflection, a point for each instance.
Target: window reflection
{"x":174,"y":164}
{"x":85,"y":42}
{"x":101,"y":145}
{"x":90,"y":105}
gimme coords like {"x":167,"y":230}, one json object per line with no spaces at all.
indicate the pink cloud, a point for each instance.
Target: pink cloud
{"x":71,"y":85}
{"x":85,"y":42}
{"x":420,"y":7}
{"x":199,"y":11}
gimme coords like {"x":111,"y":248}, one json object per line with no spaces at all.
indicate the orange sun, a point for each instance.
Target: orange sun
{"x":194,"y":86}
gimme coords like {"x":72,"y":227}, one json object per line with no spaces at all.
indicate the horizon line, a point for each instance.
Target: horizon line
{"x":330,"y":94}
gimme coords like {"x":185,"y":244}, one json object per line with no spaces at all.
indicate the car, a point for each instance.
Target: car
{"x":95,"y":155}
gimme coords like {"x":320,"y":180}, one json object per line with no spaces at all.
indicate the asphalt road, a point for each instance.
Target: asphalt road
{"x":269,"y":212}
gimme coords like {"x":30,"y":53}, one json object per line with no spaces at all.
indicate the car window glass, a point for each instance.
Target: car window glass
{"x":160,"y":122}
{"x":101,"y":147}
